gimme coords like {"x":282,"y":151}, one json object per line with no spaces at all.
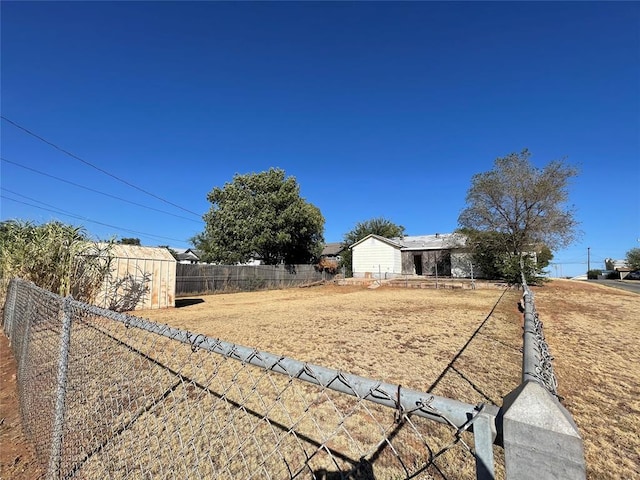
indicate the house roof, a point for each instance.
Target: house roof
{"x":196,"y":252}
{"x":388,"y":241}
{"x":332,"y":249}
{"x":438,"y":241}
{"x":188,"y":255}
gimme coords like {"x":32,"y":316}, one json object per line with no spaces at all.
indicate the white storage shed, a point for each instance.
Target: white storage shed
{"x":140,"y":278}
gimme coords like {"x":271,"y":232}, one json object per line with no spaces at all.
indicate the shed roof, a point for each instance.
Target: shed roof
{"x":141,"y":253}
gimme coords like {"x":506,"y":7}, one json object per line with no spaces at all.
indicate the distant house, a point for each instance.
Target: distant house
{"x":187,"y":255}
{"x":331,"y":253}
{"x":619,"y":266}
{"x":438,"y":254}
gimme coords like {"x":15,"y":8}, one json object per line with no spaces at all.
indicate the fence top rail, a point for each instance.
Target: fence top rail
{"x":406,"y":401}
{"x":537,"y":360}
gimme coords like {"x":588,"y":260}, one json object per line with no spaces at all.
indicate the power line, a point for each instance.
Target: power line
{"x":66,"y":213}
{"x":96,"y":191}
{"x":95,"y":166}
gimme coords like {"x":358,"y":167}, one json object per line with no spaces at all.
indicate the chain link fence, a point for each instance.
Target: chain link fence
{"x":107,"y":395}
{"x":537,"y":361}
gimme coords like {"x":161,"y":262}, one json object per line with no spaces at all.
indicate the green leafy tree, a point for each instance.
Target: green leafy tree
{"x":492,"y":261}
{"x":633,"y":258}
{"x":129,"y":241}
{"x":261,"y":214}
{"x":524,"y":206}
{"x":377,"y":226}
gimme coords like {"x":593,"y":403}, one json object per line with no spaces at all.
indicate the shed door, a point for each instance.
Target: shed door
{"x":417,"y":263}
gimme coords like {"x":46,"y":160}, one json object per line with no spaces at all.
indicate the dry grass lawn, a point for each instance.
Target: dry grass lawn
{"x":410,"y":337}
{"x":133,"y":415}
{"x":400,"y":336}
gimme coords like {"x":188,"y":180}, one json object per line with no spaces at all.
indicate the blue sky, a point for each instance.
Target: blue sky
{"x":378,"y":109}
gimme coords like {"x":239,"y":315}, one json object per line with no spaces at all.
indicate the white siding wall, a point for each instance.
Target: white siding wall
{"x":373,"y":256}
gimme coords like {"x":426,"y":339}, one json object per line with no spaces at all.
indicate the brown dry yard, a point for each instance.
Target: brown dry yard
{"x":416,"y":338}
{"x":410,"y":336}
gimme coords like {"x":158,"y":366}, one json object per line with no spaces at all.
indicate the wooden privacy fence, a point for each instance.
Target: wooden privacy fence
{"x":199,"y":279}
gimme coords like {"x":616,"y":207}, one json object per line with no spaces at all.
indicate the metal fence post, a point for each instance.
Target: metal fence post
{"x":9,"y":308}
{"x":27,"y":320}
{"x":484,"y":436}
{"x":58,"y":419}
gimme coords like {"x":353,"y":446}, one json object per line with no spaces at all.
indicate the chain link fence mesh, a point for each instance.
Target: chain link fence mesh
{"x":106,"y":395}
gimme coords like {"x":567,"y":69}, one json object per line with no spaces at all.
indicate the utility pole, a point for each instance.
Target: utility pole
{"x":588,"y":259}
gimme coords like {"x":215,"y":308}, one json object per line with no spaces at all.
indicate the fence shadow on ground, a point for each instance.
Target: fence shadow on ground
{"x":107,"y":395}
{"x":187,"y":302}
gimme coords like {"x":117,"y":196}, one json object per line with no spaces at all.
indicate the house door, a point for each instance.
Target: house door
{"x":417,"y":264}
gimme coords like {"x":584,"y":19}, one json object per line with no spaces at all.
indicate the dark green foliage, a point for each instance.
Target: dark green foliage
{"x":377,"y":226}
{"x":593,"y":274}
{"x":633,"y":258}
{"x":493,"y":261}
{"x":129,"y":241}
{"x":519,"y":207}
{"x":261,"y":214}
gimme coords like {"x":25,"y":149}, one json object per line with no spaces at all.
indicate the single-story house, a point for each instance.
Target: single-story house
{"x":439,"y":254}
{"x":186,"y":255}
{"x":331,"y":253}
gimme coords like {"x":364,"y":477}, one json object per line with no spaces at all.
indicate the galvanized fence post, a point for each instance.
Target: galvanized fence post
{"x":9,"y":308}
{"x":59,"y":412}
{"x":27,"y":320}
{"x":484,"y":436}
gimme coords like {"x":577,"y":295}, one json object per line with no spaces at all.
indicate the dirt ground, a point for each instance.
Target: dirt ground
{"x":16,"y":454}
{"x":459,"y":344}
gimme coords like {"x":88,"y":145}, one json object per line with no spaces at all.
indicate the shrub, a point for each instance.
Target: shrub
{"x":593,"y":274}
{"x":54,"y":256}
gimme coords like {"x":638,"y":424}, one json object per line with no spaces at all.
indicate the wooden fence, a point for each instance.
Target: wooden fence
{"x":192,"y":279}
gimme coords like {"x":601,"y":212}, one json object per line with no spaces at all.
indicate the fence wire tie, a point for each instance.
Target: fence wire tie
{"x":460,"y":430}
{"x":425,"y":406}
{"x":309,"y":372}
{"x":340,"y":376}
{"x":194,"y":347}
{"x":254,"y":354}
{"x":233,"y":352}
{"x":277,"y":363}
{"x":398,"y":417}
{"x":377,"y":392}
